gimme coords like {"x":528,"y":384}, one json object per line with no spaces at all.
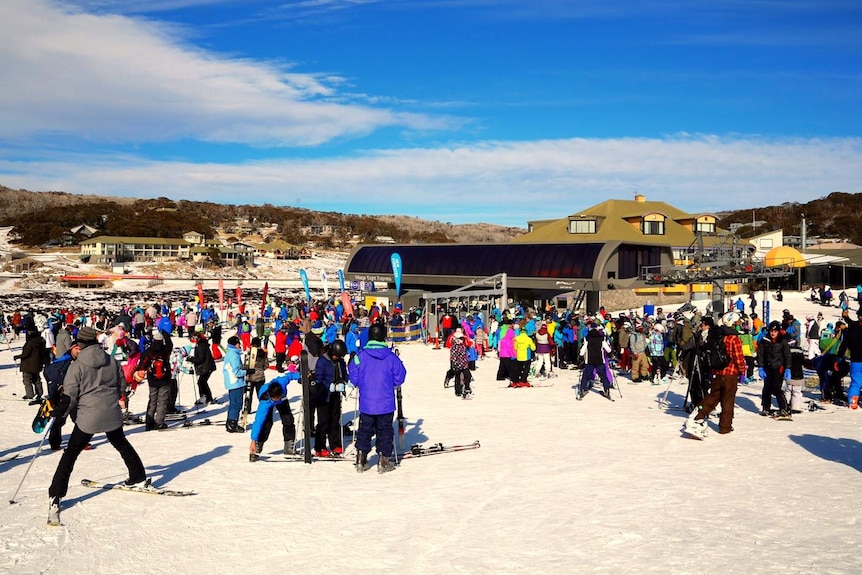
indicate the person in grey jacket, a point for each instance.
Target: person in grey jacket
{"x":63,"y":341}
{"x":94,"y":384}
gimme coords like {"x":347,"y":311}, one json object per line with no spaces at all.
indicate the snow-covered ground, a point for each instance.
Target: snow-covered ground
{"x":558,"y":486}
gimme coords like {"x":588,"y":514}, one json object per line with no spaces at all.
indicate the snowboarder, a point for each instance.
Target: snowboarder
{"x":724,"y":382}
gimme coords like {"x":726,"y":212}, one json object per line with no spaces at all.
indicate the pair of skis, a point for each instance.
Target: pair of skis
{"x":145,"y":488}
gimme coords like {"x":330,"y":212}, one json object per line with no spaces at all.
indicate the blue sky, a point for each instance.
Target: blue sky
{"x":499,"y":111}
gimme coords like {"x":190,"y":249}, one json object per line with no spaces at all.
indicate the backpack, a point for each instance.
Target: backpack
{"x":715,"y":354}
{"x":157,"y":368}
{"x":55,"y":373}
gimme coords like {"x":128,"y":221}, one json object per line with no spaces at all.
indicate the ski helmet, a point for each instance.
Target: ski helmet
{"x":338,"y":348}
{"x":377,"y":332}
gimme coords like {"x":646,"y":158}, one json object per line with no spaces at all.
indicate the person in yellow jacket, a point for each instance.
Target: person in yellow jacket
{"x":525,"y":347}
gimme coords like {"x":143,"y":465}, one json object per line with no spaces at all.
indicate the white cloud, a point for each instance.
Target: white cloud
{"x":499,"y":182}
{"x":111,"y":78}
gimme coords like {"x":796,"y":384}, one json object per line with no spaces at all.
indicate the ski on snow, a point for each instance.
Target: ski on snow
{"x":299,"y":458}
{"x":146,"y":488}
{"x":10,"y":458}
{"x":423,"y":451}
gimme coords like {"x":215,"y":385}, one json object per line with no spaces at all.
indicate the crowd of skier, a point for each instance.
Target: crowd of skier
{"x":94,"y":362}
{"x":712,"y":356}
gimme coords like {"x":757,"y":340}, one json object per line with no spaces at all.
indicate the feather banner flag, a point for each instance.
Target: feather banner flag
{"x":303,"y":275}
{"x":396,"y":273}
{"x":325,"y":285}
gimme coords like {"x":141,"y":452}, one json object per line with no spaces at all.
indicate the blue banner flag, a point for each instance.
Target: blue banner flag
{"x":304,"y":277}
{"x":396,"y":272}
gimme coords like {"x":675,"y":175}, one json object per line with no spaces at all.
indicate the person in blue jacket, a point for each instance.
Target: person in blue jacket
{"x":352,"y":341}
{"x":234,"y":382}
{"x":273,"y":397}
{"x":376,"y":371}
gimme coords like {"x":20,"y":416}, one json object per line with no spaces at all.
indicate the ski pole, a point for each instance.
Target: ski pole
{"x":38,"y":450}
{"x":663,"y":400}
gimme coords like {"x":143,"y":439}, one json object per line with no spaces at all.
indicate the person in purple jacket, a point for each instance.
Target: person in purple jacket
{"x":376,"y":371}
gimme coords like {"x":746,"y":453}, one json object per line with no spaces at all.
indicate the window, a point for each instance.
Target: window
{"x":582,"y":226}
{"x":706,"y":227}
{"x":653,"y":228}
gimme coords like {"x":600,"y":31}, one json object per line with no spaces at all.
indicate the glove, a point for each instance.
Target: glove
{"x":762,"y":373}
{"x":16,"y":357}
{"x":249,"y":371}
{"x":835,"y":367}
{"x":787,"y":375}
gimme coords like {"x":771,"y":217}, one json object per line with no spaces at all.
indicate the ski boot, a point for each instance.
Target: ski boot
{"x":361,"y":462}
{"x":289,"y":447}
{"x":253,"y":457}
{"x":54,"y":511}
{"x":696,"y":428}
{"x":384,"y":465}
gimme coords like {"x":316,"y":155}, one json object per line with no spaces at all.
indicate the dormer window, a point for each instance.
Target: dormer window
{"x":582,"y":226}
{"x":705,"y":225}
{"x":653,"y":225}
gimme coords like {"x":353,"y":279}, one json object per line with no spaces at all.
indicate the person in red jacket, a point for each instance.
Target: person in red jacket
{"x":280,"y":347}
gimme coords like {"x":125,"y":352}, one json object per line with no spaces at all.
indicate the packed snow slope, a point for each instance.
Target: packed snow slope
{"x":558,"y":486}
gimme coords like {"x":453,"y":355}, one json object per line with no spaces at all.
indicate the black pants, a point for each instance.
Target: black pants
{"x":287,"y":422}
{"x":328,"y":423}
{"x":55,"y":436}
{"x":659,"y":366}
{"x":463,"y":377}
{"x":77,"y":442}
{"x":772,"y":386}
{"x":523,"y":370}
{"x":204,"y":386}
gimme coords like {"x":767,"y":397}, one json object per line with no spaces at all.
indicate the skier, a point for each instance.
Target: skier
{"x":94,"y":384}
{"x":256,"y":365}
{"x":595,"y":350}
{"x":205,"y":365}
{"x":459,"y":365}
{"x":234,"y":382}
{"x":524,"y":348}
{"x":724,"y":382}
{"x":852,"y":342}
{"x":773,"y":357}
{"x":55,"y":373}
{"x":376,"y":371}
{"x":330,"y":376}
{"x":155,"y":365}
{"x":273,"y":397}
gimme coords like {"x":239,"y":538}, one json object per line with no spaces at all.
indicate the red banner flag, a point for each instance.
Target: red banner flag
{"x":201,"y":295}
{"x":263,"y":300}
{"x":221,"y":294}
